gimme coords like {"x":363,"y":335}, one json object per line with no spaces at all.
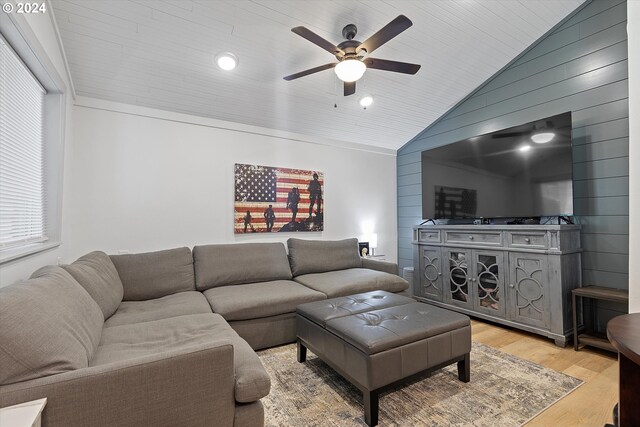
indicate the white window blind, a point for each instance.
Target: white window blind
{"x":22,"y":186}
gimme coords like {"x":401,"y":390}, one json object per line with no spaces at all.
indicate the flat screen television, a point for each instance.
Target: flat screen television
{"x":503,"y":174}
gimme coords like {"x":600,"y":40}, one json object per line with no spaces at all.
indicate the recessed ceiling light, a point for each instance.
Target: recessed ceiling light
{"x":525,"y":148}
{"x":366,"y":100}
{"x":226,"y":61}
{"x":542,"y":137}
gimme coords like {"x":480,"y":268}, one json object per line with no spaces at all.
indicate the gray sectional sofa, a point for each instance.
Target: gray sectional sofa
{"x":167,"y":338}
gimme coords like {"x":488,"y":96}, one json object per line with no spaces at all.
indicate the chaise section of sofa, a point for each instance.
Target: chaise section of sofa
{"x":162,"y":310}
{"x":335,"y":268}
{"x":250,"y":286}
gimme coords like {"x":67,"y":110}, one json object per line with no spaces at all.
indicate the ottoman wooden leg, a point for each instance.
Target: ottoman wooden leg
{"x":370,"y":407}
{"x":464,"y":369}
{"x":302,"y":352}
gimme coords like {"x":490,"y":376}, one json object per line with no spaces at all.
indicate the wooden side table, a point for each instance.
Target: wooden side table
{"x":595,"y":293}
{"x":377,"y":257}
{"x":624,"y":334}
{"x":26,"y":414}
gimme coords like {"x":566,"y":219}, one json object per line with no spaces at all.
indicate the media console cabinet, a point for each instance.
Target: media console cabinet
{"x":516,"y":275}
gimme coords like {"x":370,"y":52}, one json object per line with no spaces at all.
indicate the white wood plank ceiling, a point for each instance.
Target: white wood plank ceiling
{"x":159,"y":54}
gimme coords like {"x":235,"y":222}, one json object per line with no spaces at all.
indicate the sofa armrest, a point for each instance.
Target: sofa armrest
{"x":193,"y":386}
{"x":387,"y":267}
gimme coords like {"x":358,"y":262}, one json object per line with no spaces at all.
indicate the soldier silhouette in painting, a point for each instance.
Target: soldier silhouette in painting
{"x":247,"y":222}
{"x":293,"y":198}
{"x":315,"y":195}
{"x":270,"y":218}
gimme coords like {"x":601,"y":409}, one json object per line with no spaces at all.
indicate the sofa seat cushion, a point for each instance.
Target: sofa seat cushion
{"x":98,"y":276}
{"x":257,"y":300}
{"x":352,"y":281}
{"x":180,"y":304}
{"x":125,"y":342}
{"x":48,"y":325}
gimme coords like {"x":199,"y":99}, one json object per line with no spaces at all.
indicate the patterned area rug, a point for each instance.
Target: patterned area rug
{"x":504,"y":391}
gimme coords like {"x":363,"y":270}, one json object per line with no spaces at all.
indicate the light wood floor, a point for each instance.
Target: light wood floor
{"x":591,"y":403}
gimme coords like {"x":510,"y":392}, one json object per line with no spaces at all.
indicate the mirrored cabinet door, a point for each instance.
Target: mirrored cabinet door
{"x":458,"y":280}
{"x":488,"y":283}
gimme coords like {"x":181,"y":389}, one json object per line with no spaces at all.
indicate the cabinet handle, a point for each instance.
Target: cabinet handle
{"x":470,"y":237}
{"x":439,"y":274}
{"x":511,"y":285}
{"x":527,"y":239}
{"x":473,"y":279}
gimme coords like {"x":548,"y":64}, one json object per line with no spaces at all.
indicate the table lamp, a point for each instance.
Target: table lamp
{"x":373,"y":243}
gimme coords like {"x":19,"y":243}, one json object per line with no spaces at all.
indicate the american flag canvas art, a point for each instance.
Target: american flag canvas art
{"x":270,"y":199}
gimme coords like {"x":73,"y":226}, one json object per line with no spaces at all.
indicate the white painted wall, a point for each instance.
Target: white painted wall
{"x":633,"y":29}
{"x":40,"y":33}
{"x":146,"y":180}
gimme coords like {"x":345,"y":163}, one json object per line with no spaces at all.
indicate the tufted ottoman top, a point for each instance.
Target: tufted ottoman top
{"x":377,"y":321}
{"x":379,"y":330}
{"x":322,"y":311}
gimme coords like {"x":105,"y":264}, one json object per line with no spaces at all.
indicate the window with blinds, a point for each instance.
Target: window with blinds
{"x":22,"y":187}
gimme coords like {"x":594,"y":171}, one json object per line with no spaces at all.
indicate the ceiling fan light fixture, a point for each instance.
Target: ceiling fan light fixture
{"x":542,"y":137}
{"x":226,"y":61}
{"x":366,"y":101}
{"x":350,"y":70}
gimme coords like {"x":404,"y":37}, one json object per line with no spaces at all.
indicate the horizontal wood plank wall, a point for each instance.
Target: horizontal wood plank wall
{"x":581,"y":66}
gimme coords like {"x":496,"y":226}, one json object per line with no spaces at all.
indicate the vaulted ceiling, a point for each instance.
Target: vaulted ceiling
{"x":159,"y":54}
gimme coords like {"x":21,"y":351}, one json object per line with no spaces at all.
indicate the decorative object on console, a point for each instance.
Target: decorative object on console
{"x":270,"y":199}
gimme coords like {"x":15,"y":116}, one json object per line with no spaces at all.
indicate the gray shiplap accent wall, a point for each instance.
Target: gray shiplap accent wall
{"x":580,"y":66}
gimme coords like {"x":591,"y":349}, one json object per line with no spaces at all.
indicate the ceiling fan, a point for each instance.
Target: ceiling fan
{"x":350,"y":54}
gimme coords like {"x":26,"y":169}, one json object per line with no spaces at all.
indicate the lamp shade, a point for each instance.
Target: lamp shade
{"x":373,"y":240}
{"x":350,"y":70}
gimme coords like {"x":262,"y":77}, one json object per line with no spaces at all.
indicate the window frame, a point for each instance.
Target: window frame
{"x":17,"y":33}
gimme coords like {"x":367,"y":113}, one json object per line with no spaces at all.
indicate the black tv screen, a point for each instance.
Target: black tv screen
{"x":502,"y":174}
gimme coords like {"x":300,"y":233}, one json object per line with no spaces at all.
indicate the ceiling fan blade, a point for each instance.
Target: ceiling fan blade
{"x":386,"y":33}
{"x":349,"y":88}
{"x":310,"y":71}
{"x":317,"y":40}
{"x":395,"y":66}
{"x":508,"y":134}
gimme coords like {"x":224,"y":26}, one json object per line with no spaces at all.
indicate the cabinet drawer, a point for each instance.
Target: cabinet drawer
{"x":429,"y":236}
{"x":474,"y":238}
{"x":528,"y":240}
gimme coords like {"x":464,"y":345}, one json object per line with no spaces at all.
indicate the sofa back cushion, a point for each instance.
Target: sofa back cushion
{"x":318,"y":256}
{"x":48,"y":325}
{"x":233,"y":264}
{"x":155,"y":274}
{"x":98,"y":276}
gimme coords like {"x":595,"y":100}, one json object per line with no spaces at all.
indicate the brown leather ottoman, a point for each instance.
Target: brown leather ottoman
{"x":378,"y":339}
